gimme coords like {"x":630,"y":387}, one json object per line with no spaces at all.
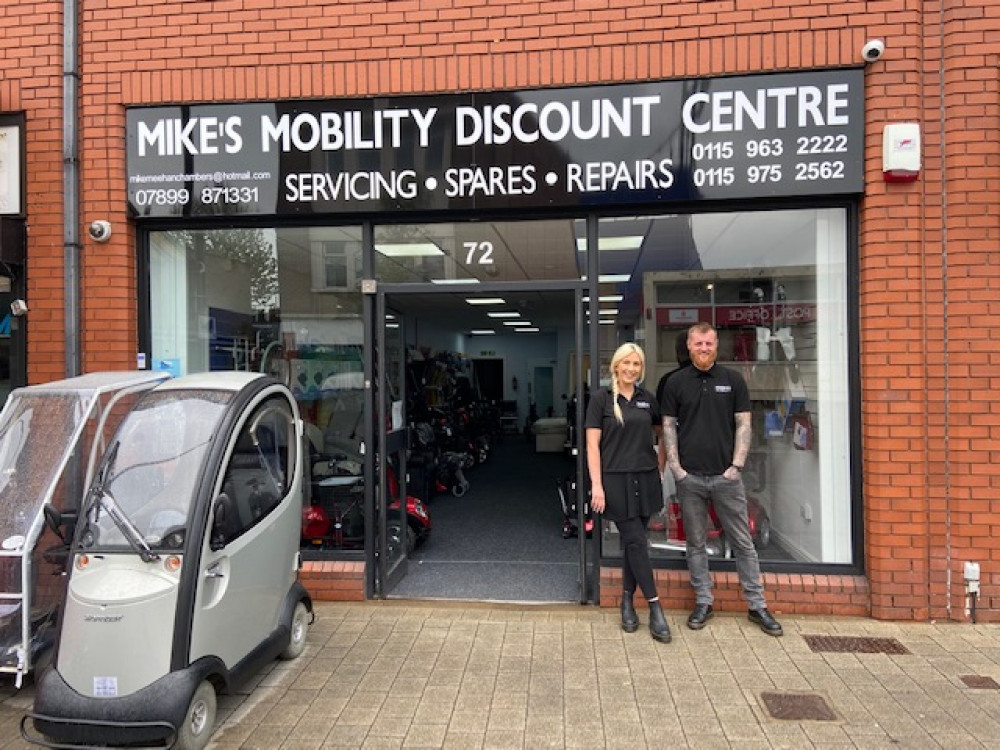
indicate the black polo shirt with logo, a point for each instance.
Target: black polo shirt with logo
{"x":627,"y":447}
{"x":704,"y":405}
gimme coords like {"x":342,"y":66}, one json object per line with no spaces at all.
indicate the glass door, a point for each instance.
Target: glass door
{"x":578,"y":445}
{"x":394,"y":535}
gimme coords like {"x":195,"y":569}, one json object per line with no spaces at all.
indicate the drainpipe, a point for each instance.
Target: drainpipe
{"x":71,"y":199}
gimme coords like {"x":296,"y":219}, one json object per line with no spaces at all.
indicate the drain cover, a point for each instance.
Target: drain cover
{"x":979,"y":681}
{"x":849,"y":644}
{"x":797,"y":707}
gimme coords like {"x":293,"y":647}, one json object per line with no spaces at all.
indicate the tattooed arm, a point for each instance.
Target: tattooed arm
{"x":741,"y":443}
{"x":668,"y":448}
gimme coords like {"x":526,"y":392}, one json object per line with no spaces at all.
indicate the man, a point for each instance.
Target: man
{"x":706,"y":439}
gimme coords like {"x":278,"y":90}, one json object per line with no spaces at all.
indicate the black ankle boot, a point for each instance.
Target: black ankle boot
{"x":658,"y":627}
{"x":630,"y":620}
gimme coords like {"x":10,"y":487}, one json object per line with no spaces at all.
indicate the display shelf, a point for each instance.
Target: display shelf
{"x":766,"y":321}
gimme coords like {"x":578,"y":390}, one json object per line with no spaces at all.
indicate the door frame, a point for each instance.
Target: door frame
{"x":383,"y":580}
{"x":392,"y":443}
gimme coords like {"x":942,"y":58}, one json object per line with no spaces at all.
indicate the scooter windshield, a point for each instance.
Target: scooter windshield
{"x":151,"y":475}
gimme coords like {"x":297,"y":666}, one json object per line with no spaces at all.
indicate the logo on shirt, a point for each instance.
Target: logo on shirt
{"x":642,"y":405}
{"x":723,"y":389}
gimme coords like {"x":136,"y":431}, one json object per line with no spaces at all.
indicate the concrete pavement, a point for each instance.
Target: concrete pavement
{"x":457,"y":675}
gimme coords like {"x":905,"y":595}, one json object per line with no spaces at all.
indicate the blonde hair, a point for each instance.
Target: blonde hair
{"x":620,"y":353}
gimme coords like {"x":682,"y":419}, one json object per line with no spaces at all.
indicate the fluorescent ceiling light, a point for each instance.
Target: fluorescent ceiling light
{"x":504,"y":314}
{"x":454,"y":281}
{"x":606,"y":298}
{"x":521,"y":323}
{"x":629,"y":242}
{"x":613,"y":311}
{"x":614,"y":278}
{"x":408,"y":249}
{"x":482,"y":332}
{"x":525,"y":330}
{"x":392,"y":325}
{"x":607,"y":322}
{"x":486,"y":300}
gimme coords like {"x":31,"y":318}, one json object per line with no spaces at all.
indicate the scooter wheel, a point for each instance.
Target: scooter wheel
{"x":299,"y":629}
{"x":459,"y":489}
{"x":199,"y":720}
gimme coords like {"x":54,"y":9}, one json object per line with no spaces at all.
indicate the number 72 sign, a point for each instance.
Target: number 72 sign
{"x":478,"y":253}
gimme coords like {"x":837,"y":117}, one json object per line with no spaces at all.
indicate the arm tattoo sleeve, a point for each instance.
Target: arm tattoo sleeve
{"x":670,"y":443}
{"x":744,"y":435}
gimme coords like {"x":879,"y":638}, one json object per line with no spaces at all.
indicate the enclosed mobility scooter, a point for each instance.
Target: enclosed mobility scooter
{"x":51,"y":437}
{"x":184,"y":572}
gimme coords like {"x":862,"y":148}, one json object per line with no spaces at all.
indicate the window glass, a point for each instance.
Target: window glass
{"x":144,"y":491}
{"x":474,"y":252}
{"x":256,"y":478}
{"x":775,"y":285}
{"x":285,"y":302}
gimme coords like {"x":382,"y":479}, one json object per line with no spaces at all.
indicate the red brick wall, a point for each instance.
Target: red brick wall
{"x":928,"y":266}
{"x":31,"y":82}
{"x":339,"y":581}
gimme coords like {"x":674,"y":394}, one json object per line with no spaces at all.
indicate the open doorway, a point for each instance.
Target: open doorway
{"x":499,"y":530}
{"x":489,"y":377}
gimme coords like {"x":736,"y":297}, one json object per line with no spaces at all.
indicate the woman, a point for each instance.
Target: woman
{"x":622,"y":425}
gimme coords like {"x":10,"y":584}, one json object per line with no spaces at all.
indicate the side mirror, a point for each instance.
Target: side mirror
{"x":222,"y":522}
{"x":62,"y":523}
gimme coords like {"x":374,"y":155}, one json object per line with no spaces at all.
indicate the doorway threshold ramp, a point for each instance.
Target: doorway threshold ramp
{"x":454,"y":603}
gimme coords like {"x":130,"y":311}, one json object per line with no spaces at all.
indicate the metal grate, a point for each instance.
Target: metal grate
{"x":849,"y":644}
{"x":797,"y":707}
{"x":980,"y":682}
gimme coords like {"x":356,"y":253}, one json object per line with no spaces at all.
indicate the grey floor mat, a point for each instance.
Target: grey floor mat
{"x":503,"y":540}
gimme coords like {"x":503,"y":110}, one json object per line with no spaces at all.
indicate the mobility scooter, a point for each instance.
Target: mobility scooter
{"x":183,"y":571}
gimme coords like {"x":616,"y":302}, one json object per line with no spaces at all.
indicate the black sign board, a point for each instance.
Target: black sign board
{"x":775,"y":135}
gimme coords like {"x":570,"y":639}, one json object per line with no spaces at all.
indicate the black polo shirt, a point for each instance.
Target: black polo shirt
{"x":628,"y":446}
{"x":704,"y":404}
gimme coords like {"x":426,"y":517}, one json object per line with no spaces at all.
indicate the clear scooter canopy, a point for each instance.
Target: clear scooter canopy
{"x":27,"y":470}
{"x":143,"y":493}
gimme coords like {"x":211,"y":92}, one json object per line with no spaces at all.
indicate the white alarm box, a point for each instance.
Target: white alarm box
{"x":901,"y":152}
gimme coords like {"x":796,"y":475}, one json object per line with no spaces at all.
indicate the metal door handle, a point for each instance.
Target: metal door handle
{"x":214,"y":572}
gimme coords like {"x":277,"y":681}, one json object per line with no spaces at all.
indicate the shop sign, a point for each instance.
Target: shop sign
{"x":765,"y":136}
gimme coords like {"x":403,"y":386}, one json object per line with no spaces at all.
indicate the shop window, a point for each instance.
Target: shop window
{"x":282,"y":301}
{"x":775,"y":286}
{"x":336,"y":265}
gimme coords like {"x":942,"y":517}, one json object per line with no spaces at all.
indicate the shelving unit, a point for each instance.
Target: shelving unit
{"x":780,"y":301}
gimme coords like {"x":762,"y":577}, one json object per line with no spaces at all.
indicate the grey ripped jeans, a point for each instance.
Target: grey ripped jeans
{"x":694,"y":493}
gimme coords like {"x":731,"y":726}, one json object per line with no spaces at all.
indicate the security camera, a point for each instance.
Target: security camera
{"x":100,"y":231}
{"x":873,"y":50}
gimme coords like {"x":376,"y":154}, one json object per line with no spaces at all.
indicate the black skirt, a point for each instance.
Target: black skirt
{"x":632,"y":494}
